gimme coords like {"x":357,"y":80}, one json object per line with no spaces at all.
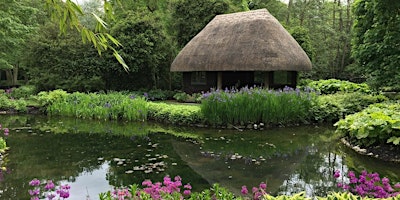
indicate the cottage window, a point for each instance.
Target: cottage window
{"x":198,"y":78}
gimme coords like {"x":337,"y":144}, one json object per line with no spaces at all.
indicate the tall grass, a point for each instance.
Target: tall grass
{"x":111,"y":106}
{"x":253,"y":105}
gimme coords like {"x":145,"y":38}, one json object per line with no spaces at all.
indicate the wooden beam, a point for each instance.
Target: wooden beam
{"x":219,"y":81}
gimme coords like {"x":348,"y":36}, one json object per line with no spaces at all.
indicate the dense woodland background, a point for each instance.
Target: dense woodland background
{"x":345,"y":39}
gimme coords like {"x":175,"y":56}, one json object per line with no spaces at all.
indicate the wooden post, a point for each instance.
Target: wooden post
{"x":266,"y":80}
{"x":219,"y":81}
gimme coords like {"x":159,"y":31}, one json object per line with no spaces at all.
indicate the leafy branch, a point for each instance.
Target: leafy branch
{"x":66,"y":13}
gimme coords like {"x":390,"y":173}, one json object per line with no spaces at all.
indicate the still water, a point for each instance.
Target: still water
{"x":95,"y":156}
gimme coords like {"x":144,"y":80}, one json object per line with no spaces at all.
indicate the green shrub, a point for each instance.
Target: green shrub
{"x":47,"y":98}
{"x":175,"y":114}
{"x":257,"y":105}
{"x":18,"y":105}
{"x":332,"y":107}
{"x":24,"y":91}
{"x":181,"y":97}
{"x":332,"y":86}
{"x":379,"y":123}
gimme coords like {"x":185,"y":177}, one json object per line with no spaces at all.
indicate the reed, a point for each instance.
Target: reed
{"x":111,"y":106}
{"x":254,"y":105}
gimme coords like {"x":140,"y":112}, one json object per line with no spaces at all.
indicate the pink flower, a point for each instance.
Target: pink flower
{"x":147,"y":183}
{"x":6,"y":131}
{"x":49,"y":185}
{"x":244,"y":190}
{"x":186,"y":192}
{"x":254,"y":190}
{"x":336,"y":174}
{"x":397,"y":185}
{"x":187,"y":186}
{"x":34,"y":182}
{"x":263,"y":185}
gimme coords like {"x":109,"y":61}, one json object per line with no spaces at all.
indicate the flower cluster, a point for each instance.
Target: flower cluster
{"x":156,"y":190}
{"x":369,"y":184}
{"x":168,"y":186}
{"x":47,"y":189}
{"x":257,"y":193}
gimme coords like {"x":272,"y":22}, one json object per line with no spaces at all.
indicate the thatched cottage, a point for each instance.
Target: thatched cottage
{"x":232,"y":47}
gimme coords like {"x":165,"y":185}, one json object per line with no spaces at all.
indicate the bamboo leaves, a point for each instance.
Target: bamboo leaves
{"x":66,"y":13}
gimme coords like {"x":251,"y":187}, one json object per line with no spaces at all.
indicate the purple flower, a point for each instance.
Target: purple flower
{"x":6,"y":131}
{"x":34,"y":182}
{"x":146,"y":95}
{"x":34,"y":192}
{"x":187,"y":186}
{"x":51,"y":196}
{"x":244,"y":190}
{"x":49,"y":185}
{"x":147,"y":183}
{"x":336,"y":174}
{"x":186,"y":192}
{"x":254,"y":190}
{"x":397,"y":185}
{"x":263,"y":185}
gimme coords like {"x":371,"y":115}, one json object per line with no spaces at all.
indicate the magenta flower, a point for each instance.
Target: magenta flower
{"x":49,"y":185}
{"x":6,"y":131}
{"x":34,"y":182}
{"x":147,"y":183}
{"x":244,"y":190}
{"x":397,"y":185}
{"x":336,"y":174}
{"x":186,"y":192}
{"x":34,"y":192}
{"x":187,"y":186}
{"x":263,"y":186}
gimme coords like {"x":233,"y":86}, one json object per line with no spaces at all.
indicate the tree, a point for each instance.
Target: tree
{"x":16,"y":24}
{"x":190,"y":16}
{"x":147,"y":48}
{"x":376,"y":41}
{"x":67,"y":14}
{"x":63,"y":62}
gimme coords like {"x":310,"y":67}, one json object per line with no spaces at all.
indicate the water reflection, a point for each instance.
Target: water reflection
{"x":95,"y":156}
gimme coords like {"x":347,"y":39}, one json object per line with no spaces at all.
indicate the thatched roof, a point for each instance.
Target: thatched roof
{"x":244,"y":41}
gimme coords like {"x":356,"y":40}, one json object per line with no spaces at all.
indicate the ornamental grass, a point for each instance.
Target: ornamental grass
{"x":111,"y":106}
{"x":256,"y":105}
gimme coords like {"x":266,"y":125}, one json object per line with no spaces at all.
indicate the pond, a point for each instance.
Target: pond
{"x":94,"y":156}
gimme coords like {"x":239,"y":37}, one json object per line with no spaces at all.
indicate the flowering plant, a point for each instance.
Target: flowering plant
{"x":257,"y":193}
{"x":47,"y":189}
{"x":369,"y":184}
{"x":151,"y":190}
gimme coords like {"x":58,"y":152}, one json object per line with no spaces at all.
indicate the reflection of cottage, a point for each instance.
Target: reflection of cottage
{"x":232,"y":47}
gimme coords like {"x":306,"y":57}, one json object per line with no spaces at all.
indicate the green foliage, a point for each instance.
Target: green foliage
{"x":331,"y":86}
{"x":379,"y":123}
{"x":24,"y":91}
{"x":112,"y":106}
{"x":190,"y":16}
{"x":147,"y":49}
{"x":63,"y":62}
{"x":188,"y":98}
{"x":332,"y":107}
{"x":8,"y":104}
{"x":47,"y":98}
{"x":175,"y":114}
{"x":3,"y":144}
{"x":256,"y":105}
{"x":302,"y":36}
{"x":376,"y":39}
